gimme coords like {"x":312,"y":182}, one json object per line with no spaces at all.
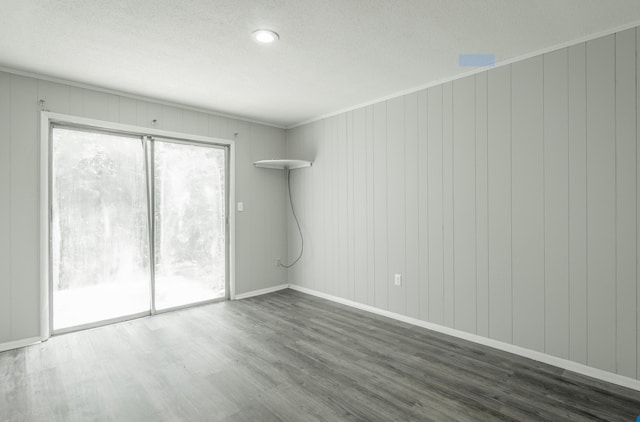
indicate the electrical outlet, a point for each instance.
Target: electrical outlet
{"x":397,"y":279}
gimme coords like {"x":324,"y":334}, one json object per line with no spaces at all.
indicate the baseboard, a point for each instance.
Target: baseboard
{"x":261,"y":291}
{"x":506,"y":347}
{"x":19,"y":343}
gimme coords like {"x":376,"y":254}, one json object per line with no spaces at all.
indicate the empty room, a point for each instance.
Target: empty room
{"x":297,"y":210}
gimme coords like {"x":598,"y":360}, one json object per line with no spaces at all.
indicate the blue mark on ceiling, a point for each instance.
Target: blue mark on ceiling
{"x":476,"y":60}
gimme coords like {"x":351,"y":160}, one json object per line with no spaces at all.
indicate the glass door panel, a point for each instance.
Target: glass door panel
{"x":190,"y":223}
{"x":99,"y":230}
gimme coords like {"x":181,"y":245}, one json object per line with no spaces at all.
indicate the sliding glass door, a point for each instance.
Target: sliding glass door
{"x":99,"y":245}
{"x":109,"y":260}
{"x":190,"y":229}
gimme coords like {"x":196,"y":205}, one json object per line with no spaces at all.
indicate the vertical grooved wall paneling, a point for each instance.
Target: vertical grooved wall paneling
{"x":6,"y":182}
{"x":527,"y":203}
{"x":336,"y":196}
{"x":481,"y":206}
{"x":508,"y":201}
{"x":423,"y":205}
{"x":411,"y":197}
{"x":396,"y":188}
{"x":24,"y":200}
{"x":294,"y":196}
{"x":464,"y":204}
{"x":360,"y":237}
{"x":499,"y":203}
{"x":258,"y":244}
{"x":343,"y":182}
{"x":370,"y":240}
{"x":637,"y":117}
{"x":321,"y":166}
{"x":447,"y":203}
{"x":601,"y":204}
{"x":317,"y":217}
{"x":379,"y":135}
{"x":556,"y":204}
{"x":350,"y":209}
{"x":577,"y":129}
{"x":260,"y":229}
{"x":626,"y":229}
{"x":434,"y":206}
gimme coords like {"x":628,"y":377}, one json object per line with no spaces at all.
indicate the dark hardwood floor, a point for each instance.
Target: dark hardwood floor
{"x":292,"y":357}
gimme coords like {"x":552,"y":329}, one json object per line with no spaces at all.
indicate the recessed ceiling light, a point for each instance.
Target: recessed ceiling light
{"x":265,"y":36}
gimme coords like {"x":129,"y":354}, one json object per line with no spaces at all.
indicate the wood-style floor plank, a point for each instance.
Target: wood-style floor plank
{"x":288,"y":356}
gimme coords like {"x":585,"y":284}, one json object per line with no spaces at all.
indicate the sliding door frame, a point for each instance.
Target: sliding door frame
{"x":47,"y":120}
{"x":150,"y":142}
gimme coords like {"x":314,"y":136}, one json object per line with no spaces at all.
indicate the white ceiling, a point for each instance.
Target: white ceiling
{"x":332,"y":54}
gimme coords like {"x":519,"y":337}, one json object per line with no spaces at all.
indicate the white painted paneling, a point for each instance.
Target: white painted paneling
{"x":577,"y":127}
{"x":101,"y":106}
{"x":294,"y":242}
{"x":171,"y":118}
{"x":335,"y":189}
{"x":328,"y":196}
{"x":381,"y":297}
{"x":331,"y":131}
{"x":499,"y":203}
{"x":482,"y":216}
{"x":129,"y":111}
{"x":321,"y":169}
{"x":25,"y":179}
{"x":464,"y":204}
{"x":19,"y":188}
{"x":297,"y":193}
{"x":255,"y":139}
{"x":219,"y":127}
{"x":189,"y":120}
{"x":637,"y":198}
{"x":276,"y":217}
{"x":601,"y":205}
{"x":5,"y":209}
{"x":527,"y":204}
{"x":203,"y":124}
{"x":412,"y":228}
{"x":55,"y":96}
{"x":76,"y":101}
{"x":154,"y":116}
{"x":142,"y":118}
{"x":423,"y":204}
{"x":511,"y":197}
{"x":435,"y":203}
{"x":360,"y":237}
{"x":316,"y":216}
{"x":371,"y":170}
{"x":556,"y":204}
{"x":341,"y":189}
{"x":308,"y":179}
{"x":447,"y":202}
{"x":626,"y":229}
{"x":350,"y":208}
{"x":396,"y":186}
{"x":243,"y":219}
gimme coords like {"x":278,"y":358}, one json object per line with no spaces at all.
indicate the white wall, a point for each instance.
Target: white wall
{"x":260,"y":229}
{"x":507,"y":200}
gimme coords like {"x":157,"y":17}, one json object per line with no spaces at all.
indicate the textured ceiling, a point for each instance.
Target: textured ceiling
{"x":332,"y":54}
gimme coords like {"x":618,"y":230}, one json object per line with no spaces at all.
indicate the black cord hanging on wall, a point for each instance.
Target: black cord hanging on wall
{"x":288,"y":165}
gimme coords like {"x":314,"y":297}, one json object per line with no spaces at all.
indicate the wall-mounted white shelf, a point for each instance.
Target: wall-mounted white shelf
{"x":282,"y":164}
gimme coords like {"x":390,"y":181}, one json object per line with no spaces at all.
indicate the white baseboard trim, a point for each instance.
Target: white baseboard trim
{"x":19,"y":343}
{"x":261,"y":292}
{"x":506,"y":347}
